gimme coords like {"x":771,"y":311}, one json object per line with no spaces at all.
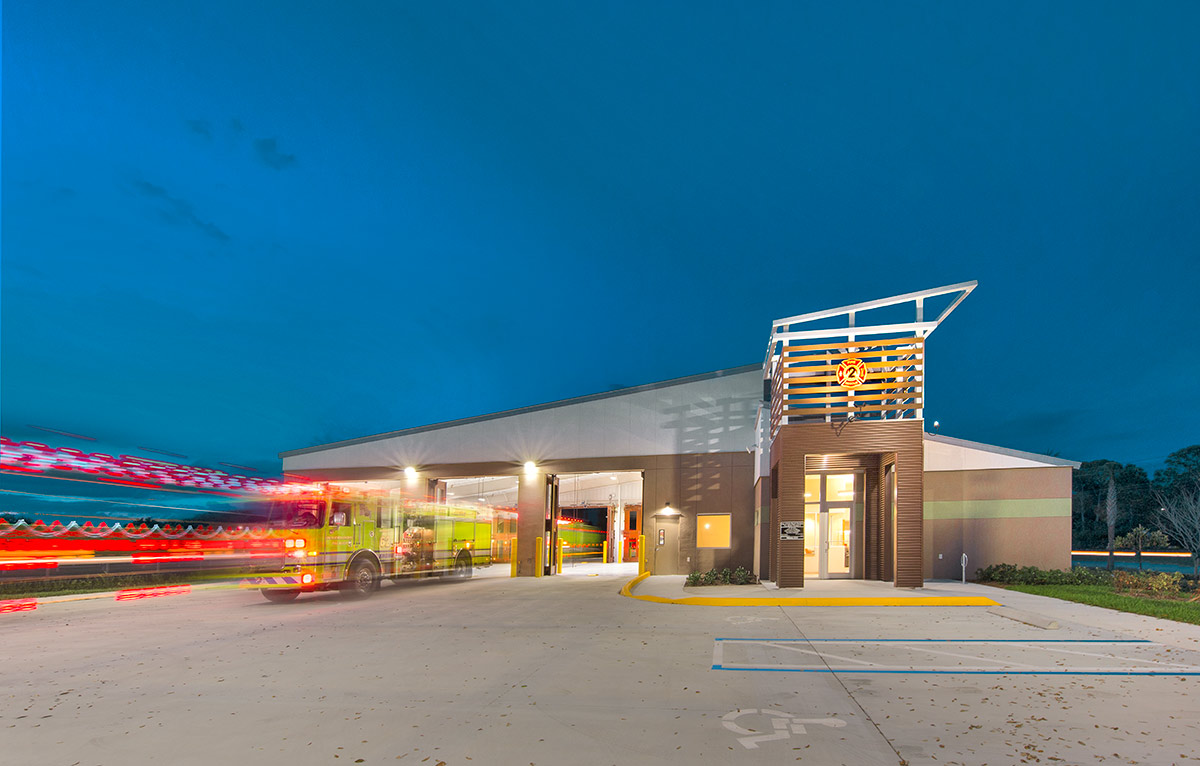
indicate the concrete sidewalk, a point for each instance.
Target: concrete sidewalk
{"x":672,"y":589}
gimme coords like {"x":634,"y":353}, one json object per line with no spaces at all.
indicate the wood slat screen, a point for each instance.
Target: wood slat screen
{"x":804,"y":386}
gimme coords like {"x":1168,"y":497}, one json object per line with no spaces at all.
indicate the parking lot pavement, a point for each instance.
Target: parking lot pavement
{"x":488,"y":671}
{"x":971,"y":718}
{"x":562,"y":669}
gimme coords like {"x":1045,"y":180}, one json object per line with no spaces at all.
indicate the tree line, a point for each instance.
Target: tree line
{"x":1117,"y":506}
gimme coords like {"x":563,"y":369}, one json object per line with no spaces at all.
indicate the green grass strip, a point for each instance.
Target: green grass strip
{"x":1103,"y":595}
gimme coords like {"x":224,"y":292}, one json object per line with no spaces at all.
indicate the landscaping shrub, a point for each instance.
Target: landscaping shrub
{"x":739,"y":576}
{"x":1010,"y":574}
{"x":1149,"y":583}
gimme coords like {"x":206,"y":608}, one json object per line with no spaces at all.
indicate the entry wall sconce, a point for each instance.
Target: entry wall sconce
{"x":668,"y":511}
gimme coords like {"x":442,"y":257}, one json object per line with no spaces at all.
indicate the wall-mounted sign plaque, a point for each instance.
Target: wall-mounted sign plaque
{"x":851,"y":373}
{"x":791,"y":530}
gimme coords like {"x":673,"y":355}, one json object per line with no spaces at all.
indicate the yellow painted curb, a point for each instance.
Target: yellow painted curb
{"x":627,"y":591}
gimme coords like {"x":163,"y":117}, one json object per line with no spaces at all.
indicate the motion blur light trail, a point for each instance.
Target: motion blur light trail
{"x":36,"y":458}
{"x":41,"y":546}
{"x":59,"y":551}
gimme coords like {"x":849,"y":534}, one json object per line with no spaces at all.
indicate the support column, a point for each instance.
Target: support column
{"x":909,"y":537}
{"x":414,"y":486}
{"x":531,"y":518}
{"x":790,"y":553}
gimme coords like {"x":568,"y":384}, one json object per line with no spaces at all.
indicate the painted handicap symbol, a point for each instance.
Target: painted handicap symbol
{"x":783,"y":724}
{"x":747,"y":619}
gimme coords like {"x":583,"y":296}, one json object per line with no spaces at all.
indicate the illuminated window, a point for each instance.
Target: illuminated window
{"x":712,"y":530}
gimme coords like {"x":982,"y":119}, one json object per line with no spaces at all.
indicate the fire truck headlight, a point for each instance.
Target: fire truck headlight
{"x":306,"y":579}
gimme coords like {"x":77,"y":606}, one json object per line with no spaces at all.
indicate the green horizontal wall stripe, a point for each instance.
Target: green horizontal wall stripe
{"x":997,"y":509}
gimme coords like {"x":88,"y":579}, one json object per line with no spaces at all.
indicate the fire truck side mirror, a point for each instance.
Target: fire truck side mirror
{"x":338,"y":519}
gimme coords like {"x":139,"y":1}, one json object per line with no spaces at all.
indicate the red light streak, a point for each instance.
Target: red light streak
{"x":48,"y":564}
{"x":18,"y":605}
{"x":163,"y":559}
{"x":134,"y":594}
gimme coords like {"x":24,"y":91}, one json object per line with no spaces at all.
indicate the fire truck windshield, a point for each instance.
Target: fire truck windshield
{"x":298,"y":514}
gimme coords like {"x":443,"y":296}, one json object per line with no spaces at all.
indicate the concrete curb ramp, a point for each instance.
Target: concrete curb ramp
{"x":1029,"y":618}
{"x":628,"y":588}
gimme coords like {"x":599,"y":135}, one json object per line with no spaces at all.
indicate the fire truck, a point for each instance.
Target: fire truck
{"x":351,"y":539}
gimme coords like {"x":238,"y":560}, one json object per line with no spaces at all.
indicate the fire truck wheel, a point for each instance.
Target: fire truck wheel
{"x":363,"y":580}
{"x":280,"y":595}
{"x":462,"y":566}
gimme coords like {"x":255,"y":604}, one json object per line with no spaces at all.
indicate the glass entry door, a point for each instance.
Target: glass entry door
{"x":828,"y":525}
{"x":837,"y":520}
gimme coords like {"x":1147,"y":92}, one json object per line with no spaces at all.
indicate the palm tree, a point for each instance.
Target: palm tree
{"x":1139,"y":539}
{"x":1110,"y":516}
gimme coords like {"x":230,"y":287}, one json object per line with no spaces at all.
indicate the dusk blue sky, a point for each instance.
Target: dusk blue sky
{"x":236,"y":228}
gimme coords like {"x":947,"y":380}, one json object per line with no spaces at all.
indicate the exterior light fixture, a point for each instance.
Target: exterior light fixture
{"x":667,"y":511}
{"x":935,"y":426}
{"x":530,"y":468}
{"x":410,"y":472}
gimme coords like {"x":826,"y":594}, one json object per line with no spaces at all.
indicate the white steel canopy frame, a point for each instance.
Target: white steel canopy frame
{"x":889,"y":356}
{"x":782,"y":329}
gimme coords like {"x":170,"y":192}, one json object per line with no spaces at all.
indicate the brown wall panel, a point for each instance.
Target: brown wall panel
{"x":1043,"y":542}
{"x":695,"y":484}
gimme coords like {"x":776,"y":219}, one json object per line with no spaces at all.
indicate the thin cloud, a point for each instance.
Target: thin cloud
{"x":268,"y":152}
{"x":176,"y":211}
{"x":201,"y":128}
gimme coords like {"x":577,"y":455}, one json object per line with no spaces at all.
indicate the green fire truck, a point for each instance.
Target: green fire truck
{"x":350,"y":540}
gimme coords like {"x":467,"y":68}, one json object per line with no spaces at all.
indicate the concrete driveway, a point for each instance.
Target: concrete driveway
{"x":564,"y":670}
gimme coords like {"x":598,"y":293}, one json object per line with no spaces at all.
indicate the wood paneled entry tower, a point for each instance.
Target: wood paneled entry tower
{"x":846,"y":426}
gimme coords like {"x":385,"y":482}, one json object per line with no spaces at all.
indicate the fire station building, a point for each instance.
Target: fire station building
{"x":815,"y":463}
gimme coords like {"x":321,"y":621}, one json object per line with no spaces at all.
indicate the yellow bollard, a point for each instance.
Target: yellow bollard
{"x":512,"y":558}
{"x":641,"y":554}
{"x":537,"y":558}
{"x":605,"y":552}
{"x":562,"y":544}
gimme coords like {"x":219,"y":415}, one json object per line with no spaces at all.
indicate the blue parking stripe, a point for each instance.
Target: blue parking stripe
{"x":972,"y":672}
{"x":949,"y":640}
